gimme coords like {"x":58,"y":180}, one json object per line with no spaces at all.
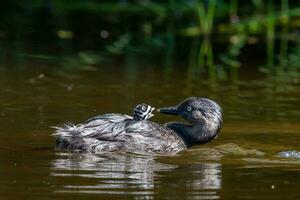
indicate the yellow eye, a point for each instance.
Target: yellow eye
{"x":189,"y":108}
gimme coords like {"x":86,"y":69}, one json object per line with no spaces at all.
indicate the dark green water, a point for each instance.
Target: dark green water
{"x":261,"y":114}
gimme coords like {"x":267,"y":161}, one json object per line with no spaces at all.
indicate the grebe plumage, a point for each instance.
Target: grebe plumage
{"x":120,"y":132}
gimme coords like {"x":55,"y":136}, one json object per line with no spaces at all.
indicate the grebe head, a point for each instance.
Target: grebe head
{"x":204,"y":116}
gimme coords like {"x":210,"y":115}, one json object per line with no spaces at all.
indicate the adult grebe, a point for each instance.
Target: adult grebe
{"x":119,"y":132}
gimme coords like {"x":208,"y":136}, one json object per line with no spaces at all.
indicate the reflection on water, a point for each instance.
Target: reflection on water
{"x":121,"y":169}
{"x":141,"y":176}
{"x":289,"y":154}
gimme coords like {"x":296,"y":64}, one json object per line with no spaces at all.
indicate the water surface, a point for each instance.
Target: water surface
{"x":261,"y":118}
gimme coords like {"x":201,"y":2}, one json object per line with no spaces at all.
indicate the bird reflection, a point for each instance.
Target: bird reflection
{"x":209,"y":176}
{"x":139,"y":176}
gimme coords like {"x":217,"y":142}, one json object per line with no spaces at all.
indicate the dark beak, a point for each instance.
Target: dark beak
{"x":169,"y":110}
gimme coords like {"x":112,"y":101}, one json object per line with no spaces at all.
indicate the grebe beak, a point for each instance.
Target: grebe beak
{"x":169,"y":110}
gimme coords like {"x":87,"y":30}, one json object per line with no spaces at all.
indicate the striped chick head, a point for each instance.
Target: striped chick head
{"x":143,"y":112}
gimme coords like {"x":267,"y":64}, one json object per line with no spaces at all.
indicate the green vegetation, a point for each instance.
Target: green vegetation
{"x":212,"y":37}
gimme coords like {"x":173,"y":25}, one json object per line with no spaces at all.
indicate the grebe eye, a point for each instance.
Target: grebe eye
{"x":189,"y":108}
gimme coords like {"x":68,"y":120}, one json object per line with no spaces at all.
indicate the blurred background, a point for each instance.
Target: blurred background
{"x":212,"y":48}
{"x":214,"y":38}
{"x":65,"y":61}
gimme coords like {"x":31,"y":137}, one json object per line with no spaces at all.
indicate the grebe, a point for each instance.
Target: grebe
{"x":120,"y":132}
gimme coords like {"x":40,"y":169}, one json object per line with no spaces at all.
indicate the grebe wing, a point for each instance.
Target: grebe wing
{"x":101,"y":126}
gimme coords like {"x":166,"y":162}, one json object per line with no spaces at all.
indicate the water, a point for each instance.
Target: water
{"x":261,"y":118}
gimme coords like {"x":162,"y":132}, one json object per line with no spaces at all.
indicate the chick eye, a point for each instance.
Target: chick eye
{"x":189,"y":108}
{"x":144,"y":108}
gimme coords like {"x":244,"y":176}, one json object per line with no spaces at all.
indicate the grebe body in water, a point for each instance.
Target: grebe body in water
{"x":119,"y":132}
